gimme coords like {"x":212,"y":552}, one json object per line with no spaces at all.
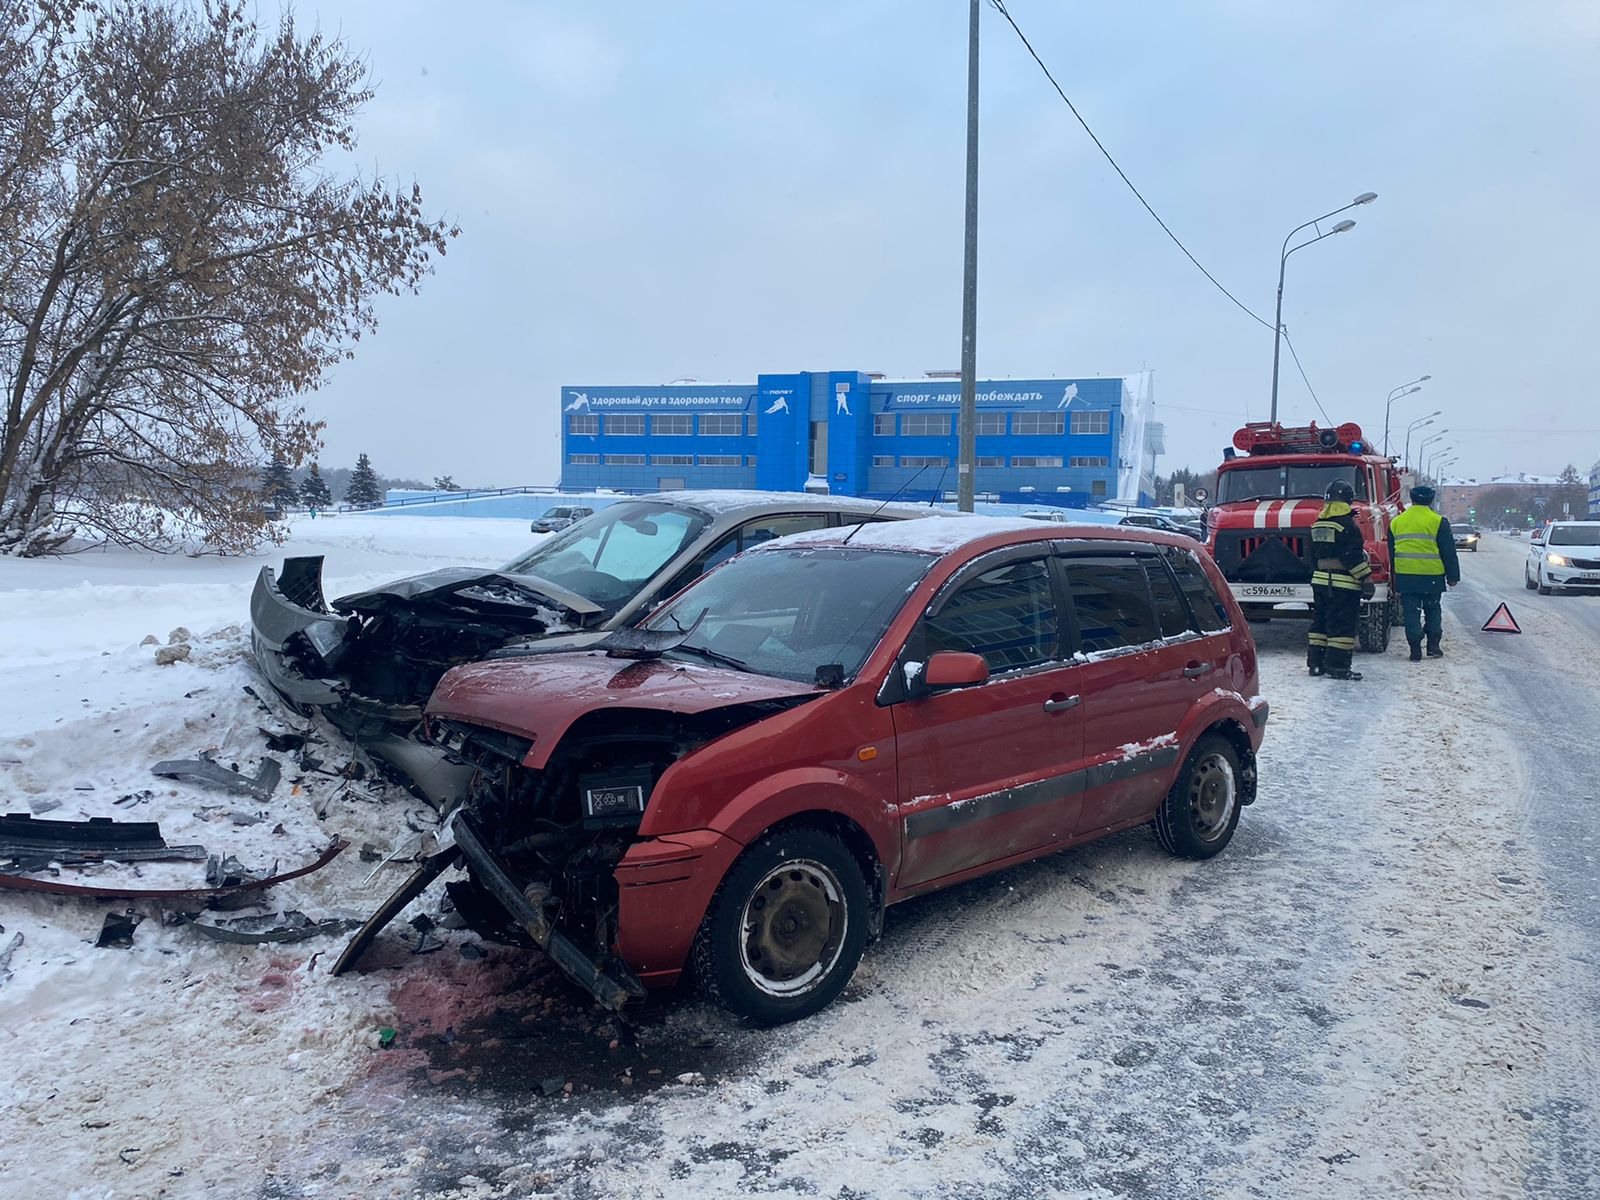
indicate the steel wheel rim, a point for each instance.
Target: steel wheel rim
{"x":1213,"y":796}
{"x":792,"y":930}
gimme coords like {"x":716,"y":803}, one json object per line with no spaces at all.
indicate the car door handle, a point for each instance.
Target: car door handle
{"x":1062,"y":703}
{"x":1195,"y":670}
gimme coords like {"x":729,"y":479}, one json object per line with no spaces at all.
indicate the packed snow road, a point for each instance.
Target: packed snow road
{"x":1386,"y":986}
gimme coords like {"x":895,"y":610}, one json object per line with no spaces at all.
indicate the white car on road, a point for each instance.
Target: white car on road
{"x":1565,"y":554}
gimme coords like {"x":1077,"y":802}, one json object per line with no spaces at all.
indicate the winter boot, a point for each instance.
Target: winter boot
{"x":1313,"y":671}
{"x":1434,"y":650}
{"x":1416,"y":651}
{"x":1348,"y":676}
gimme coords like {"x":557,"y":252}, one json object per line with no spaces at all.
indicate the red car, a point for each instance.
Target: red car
{"x":835,"y":722}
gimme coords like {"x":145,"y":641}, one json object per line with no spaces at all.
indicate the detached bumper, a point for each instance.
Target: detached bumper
{"x":286,"y":632}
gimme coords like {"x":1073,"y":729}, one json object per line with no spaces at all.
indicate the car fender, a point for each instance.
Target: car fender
{"x":812,"y":789}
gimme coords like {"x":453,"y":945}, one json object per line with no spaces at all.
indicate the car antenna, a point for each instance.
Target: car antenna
{"x":868,"y":518}
{"x":939,"y":487}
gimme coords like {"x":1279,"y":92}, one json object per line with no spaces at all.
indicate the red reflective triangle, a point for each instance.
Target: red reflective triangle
{"x":1502,"y":622}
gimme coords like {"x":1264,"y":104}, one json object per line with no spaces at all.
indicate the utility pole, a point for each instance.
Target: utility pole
{"x":967,"y":450}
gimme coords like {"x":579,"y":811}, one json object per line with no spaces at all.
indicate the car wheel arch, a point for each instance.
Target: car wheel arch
{"x":1233,"y":731}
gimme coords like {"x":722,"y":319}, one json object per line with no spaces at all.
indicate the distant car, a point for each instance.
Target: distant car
{"x":1058,"y":516}
{"x":832,"y":724}
{"x":1188,"y":529}
{"x":558,"y":518}
{"x":1563,"y":555}
{"x":369,"y":660}
{"x":1467,"y":537}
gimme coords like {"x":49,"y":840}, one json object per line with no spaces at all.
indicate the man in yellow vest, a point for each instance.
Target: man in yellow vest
{"x":1423,"y":551}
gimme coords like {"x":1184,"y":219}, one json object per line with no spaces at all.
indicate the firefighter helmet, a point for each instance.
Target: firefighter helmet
{"x":1423,"y":494}
{"x":1340,"y":491}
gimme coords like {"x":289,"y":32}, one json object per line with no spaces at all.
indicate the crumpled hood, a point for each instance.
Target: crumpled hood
{"x":449,"y":583}
{"x":540,"y":698}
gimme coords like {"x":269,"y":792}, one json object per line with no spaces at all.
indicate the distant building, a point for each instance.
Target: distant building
{"x":1458,"y":498}
{"x":1066,"y":442}
{"x":1594,"y":490}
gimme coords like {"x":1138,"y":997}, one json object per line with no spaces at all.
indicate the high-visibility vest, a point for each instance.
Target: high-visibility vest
{"x":1416,"y":541}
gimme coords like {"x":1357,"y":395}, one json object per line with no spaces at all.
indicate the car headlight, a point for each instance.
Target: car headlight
{"x":1557,"y":560}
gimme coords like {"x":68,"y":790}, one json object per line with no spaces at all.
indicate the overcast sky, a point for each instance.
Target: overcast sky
{"x":650,"y":191}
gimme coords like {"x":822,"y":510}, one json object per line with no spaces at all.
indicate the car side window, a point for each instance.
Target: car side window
{"x":764,"y":529}
{"x":1007,"y":615}
{"x":1210,"y":614}
{"x":1112,"y":601}
{"x":1171,"y":616}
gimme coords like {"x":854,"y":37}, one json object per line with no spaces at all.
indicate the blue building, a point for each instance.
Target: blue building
{"x":1067,"y":442}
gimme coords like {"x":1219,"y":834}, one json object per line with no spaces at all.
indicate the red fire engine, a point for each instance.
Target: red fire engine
{"x":1270,"y":489}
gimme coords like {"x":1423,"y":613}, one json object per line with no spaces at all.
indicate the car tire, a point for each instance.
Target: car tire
{"x":1545,"y":589}
{"x":1199,"y":814}
{"x":1374,"y":628}
{"x":786,"y":928}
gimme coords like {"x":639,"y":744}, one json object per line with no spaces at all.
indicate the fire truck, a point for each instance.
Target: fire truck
{"x":1269,"y":491}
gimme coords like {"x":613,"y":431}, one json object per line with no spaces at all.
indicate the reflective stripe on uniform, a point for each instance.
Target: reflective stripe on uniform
{"x":1317,"y":639}
{"x":1341,"y":643}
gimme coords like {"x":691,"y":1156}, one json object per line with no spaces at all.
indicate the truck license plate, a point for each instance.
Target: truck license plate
{"x":1280,"y":591}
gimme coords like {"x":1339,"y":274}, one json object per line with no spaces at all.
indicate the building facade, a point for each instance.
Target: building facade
{"x":1064,"y":442}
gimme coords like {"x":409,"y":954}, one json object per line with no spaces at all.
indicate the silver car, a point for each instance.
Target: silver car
{"x":369,"y":661}
{"x":559,"y":517}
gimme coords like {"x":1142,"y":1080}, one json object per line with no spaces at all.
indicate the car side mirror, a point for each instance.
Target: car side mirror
{"x":954,"y":669}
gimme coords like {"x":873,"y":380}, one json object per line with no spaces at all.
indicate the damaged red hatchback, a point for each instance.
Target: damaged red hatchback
{"x":835,"y":722}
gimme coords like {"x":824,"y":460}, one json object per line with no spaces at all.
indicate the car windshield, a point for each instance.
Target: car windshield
{"x":1575,"y":535}
{"x":1309,"y":480}
{"x":788,"y":612}
{"x":557,"y":513}
{"x":609,"y":558}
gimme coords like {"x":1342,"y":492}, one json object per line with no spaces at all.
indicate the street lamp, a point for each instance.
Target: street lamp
{"x":1417,"y":424}
{"x":1422,"y":450}
{"x":1283,"y":261}
{"x":1433,"y":462}
{"x":1405,"y":389}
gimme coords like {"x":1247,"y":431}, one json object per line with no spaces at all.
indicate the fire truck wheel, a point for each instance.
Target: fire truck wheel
{"x":1397,"y":614}
{"x":1200,"y":813}
{"x":1374,"y":628}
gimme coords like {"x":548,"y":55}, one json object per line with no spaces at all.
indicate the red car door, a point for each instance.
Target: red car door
{"x":991,"y":770}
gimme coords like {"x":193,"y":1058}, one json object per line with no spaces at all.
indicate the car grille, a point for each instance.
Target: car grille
{"x":1587,"y":564}
{"x":1263,"y":556}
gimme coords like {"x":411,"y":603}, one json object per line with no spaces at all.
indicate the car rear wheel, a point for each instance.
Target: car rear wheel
{"x":786,"y":928}
{"x":1200,"y":813}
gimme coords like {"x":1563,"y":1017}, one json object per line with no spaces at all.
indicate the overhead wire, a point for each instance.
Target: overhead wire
{"x":1000,"y":7}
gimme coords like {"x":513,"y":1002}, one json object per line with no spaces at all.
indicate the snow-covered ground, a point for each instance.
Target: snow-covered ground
{"x":1387,"y":986}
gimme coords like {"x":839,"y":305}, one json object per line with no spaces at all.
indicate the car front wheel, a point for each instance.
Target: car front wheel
{"x":786,"y":928}
{"x":1200,"y":813}
{"x":1527,"y":578}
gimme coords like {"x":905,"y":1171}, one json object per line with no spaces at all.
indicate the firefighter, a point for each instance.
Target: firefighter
{"x":1423,"y":551}
{"x":1340,"y":581}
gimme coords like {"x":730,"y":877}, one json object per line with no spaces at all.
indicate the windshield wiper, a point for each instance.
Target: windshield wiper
{"x":716,"y":656}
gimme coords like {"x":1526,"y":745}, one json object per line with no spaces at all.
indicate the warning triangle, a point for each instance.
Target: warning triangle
{"x":1502,"y":622}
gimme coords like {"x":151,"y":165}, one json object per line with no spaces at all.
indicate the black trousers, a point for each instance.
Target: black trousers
{"x":1334,"y":614}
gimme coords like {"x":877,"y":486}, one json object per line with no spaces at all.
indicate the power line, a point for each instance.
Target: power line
{"x":1302,"y":371}
{"x":999,"y":6}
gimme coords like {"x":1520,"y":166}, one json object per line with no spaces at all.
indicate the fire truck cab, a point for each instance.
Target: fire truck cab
{"x":1269,"y":491}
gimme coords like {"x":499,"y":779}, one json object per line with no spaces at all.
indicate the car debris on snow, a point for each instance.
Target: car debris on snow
{"x":291,"y":926}
{"x":29,"y":843}
{"x":204,"y":772}
{"x":11,"y":948}
{"x":209,"y":894}
{"x":117,"y":931}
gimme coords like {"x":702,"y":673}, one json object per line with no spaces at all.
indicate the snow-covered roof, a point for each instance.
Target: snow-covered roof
{"x":733,"y":500}
{"x":929,"y":535}
{"x":1520,"y":479}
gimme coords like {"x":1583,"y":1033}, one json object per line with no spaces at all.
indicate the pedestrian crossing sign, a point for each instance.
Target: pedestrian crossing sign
{"x":1502,"y":621}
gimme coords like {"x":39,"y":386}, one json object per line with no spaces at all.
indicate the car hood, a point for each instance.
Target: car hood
{"x":540,"y":698}
{"x":504,"y":589}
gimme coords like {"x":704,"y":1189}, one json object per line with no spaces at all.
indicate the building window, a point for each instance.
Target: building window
{"x":883,"y":424}
{"x":672,"y":425}
{"x":1033,"y":423}
{"x":750,"y":460}
{"x":1091,"y":422}
{"x":721,"y":425}
{"x":750,"y":424}
{"x":925,"y":425}
{"x":1035,"y":460}
{"x":583,"y":424}
{"x":672,"y":460}
{"x":990,"y":460}
{"x":1090,"y":461}
{"x":883,"y":460}
{"x":1097,"y":487}
{"x":991,"y":424}
{"x":584,"y":460}
{"x":924,"y":460}
{"x":624,"y":460}
{"x":625,"y":425}
{"x":721,"y":460}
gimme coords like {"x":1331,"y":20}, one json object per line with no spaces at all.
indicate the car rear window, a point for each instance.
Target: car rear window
{"x":1007,"y":615}
{"x":1209,"y":612}
{"x":1112,"y":601}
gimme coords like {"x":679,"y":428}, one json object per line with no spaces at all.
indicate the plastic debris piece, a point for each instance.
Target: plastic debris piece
{"x":32,"y":843}
{"x":209,"y":774}
{"x":427,"y":941}
{"x":291,"y":926}
{"x":209,"y":894}
{"x":282,"y":742}
{"x":386,"y":1037}
{"x":5,"y":955}
{"x":117,"y":931}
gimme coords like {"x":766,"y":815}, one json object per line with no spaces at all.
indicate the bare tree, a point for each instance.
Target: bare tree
{"x":177,"y":266}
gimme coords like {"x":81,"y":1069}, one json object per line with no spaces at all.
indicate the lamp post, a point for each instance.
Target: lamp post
{"x":1283,"y":262}
{"x":1405,"y":389}
{"x":1419,"y":423}
{"x":1422,"y":450}
{"x":1438,"y":457}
